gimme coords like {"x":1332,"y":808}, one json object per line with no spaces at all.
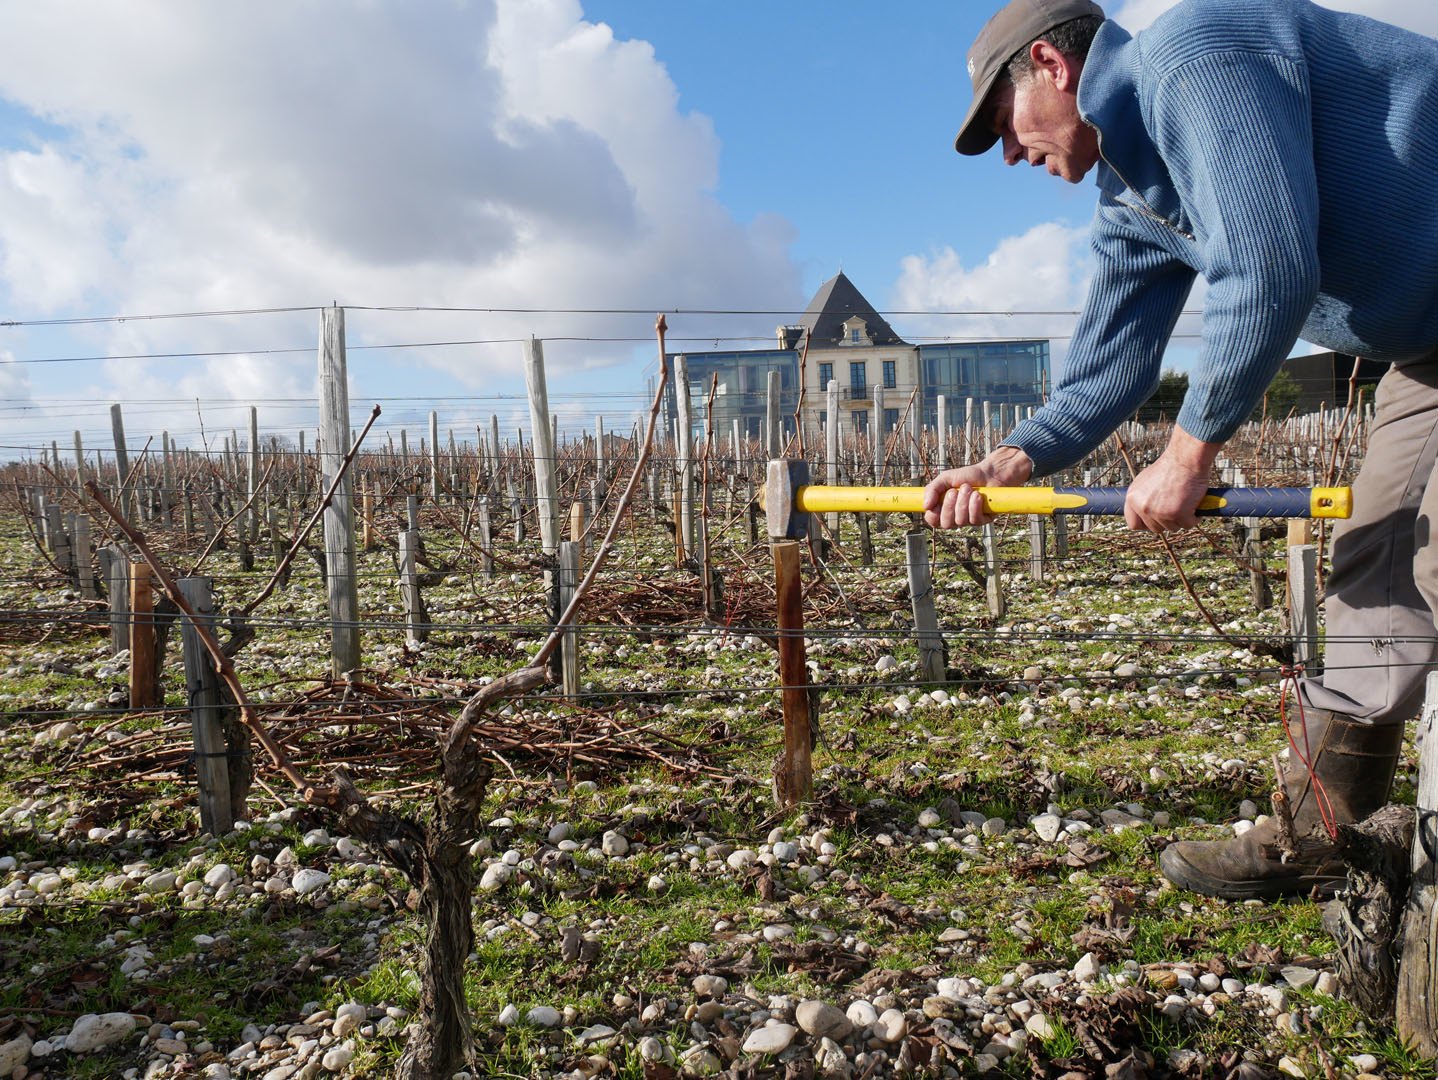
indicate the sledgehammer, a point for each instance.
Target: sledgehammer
{"x":788,"y":499}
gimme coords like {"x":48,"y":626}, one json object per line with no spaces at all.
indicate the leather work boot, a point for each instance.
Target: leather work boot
{"x":1355,"y":764}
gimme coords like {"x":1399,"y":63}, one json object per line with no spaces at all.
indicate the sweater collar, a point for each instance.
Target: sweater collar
{"x":1109,"y":99}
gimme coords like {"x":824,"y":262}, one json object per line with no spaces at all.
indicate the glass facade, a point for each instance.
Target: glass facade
{"x":1000,"y":372}
{"x":742,"y":391}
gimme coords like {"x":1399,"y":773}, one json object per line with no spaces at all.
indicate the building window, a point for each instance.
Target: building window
{"x":856,"y":336}
{"x":891,"y":419}
{"x":861,"y":420}
{"x":891,"y":379}
{"x":826,"y":375}
{"x":858,"y":379}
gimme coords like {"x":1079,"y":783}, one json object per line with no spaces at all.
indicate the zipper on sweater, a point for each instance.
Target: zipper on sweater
{"x":1142,"y":205}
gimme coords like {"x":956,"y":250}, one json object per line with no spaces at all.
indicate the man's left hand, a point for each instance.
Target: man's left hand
{"x":1165,"y":496}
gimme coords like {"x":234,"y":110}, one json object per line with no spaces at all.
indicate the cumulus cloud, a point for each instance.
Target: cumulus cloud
{"x":1046,"y":269}
{"x":468,"y":154}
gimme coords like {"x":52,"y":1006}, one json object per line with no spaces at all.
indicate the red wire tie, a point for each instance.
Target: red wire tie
{"x":1305,"y":756}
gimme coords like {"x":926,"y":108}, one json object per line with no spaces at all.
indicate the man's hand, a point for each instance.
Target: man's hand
{"x":950,"y":499}
{"x":1165,"y":496}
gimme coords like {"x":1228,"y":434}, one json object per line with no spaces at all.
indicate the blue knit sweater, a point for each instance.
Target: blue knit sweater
{"x":1286,"y":152}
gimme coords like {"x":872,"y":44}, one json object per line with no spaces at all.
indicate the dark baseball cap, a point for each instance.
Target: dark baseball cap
{"x":1016,"y":24}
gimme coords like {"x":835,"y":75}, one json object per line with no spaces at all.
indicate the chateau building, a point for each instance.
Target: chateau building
{"x":878,"y":373}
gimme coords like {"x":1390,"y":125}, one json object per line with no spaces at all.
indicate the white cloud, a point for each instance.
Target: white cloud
{"x":1044,"y":270}
{"x":14,"y":380}
{"x":468,"y":154}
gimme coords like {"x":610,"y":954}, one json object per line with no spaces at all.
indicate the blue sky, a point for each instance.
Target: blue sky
{"x":547,"y":155}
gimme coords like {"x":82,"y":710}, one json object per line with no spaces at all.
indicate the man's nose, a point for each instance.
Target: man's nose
{"x":1013,"y":152}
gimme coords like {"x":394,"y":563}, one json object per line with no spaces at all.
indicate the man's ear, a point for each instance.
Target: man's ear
{"x":1061,"y":69}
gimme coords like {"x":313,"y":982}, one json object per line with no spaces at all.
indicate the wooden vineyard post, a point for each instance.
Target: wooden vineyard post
{"x":1038,"y":546}
{"x":277,"y":539}
{"x":144,"y":686}
{"x":681,"y":551}
{"x":1416,"y":1012}
{"x":546,"y":471}
{"x":576,"y":526}
{"x":866,"y":541}
{"x":79,"y":461}
{"x":433,"y":456}
{"x":683,"y":462}
{"x":167,"y":479}
{"x":415,"y":621}
{"x":1060,"y":523}
{"x":83,"y":566}
{"x":1253,"y":556}
{"x":1303,"y":603}
{"x":251,"y":525}
{"x":486,"y":538}
{"x":569,"y":559}
{"x":59,"y":542}
{"x":831,"y":448}
{"x":516,"y":509}
{"x":876,"y":429}
{"x":340,"y":560}
{"x":932,"y":664}
{"x":367,"y":501}
{"x":773,"y":421}
{"x":793,"y":773}
{"x":122,"y":457}
{"x":203,"y":686}
{"x":994,"y":582}
{"x":117,"y":580}
{"x":751,"y":512}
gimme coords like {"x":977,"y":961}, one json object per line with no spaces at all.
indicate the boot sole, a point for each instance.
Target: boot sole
{"x":1187,"y":876}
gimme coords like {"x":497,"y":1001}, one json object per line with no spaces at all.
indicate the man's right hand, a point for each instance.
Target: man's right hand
{"x":950,"y":499}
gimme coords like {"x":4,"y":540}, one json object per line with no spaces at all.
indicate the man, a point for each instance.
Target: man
{"x":1284,"y":152}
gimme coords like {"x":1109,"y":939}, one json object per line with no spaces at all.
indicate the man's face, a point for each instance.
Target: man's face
{"x":1038,"y":122}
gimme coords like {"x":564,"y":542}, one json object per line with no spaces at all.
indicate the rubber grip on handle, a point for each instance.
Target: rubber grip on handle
{"x":1273,"y":502}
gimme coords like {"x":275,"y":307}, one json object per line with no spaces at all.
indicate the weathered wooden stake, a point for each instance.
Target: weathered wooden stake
{"x":1038,"y":546}
{"x":118,"y":582}
{"x":546,"y":478}
{"x":993,"y":577}
{"x":1060,"y":523}
{"x":932,"y":663}
{"x":122,"y":455}
{"x":203,"y":686}
{"x":340,"y":560}
{"x":866,"y":540}
{"x":144,"y":686}
{"x":793,"y":773}
{"x":486,"y":538}
{"x":1253,"y":557}
{"x":1303,"y":603}
{"x":85,"y":569}
{"x":773,"y":419}
{"x":416,"y":622}
{"x":683,"y":459}
{"x":576,"y":526}
{"x":59,"y":540}
{"x":569,"y":560}
{"x":1416,"y":1013}
{"x":831,"y":447}
{"x":433,"y":456}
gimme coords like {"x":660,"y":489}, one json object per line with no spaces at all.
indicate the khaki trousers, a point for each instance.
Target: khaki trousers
{"x":1382,"y":591}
